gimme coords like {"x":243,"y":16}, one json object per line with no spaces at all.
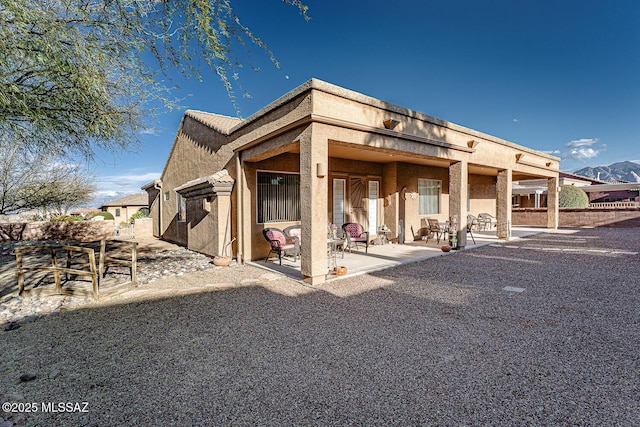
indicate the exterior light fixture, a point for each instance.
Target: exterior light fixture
{"x":321,"y":170}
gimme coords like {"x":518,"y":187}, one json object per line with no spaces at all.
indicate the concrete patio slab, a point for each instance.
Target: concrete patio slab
{"x":380,"y":257}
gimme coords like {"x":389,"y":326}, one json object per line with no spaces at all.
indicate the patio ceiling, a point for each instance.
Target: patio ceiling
{"x":377,"y":155}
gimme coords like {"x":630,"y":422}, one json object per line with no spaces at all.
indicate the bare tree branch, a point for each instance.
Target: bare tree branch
{"x":38,"y":180}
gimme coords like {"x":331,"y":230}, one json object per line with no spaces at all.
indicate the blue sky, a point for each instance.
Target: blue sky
{"x":558,"y":76}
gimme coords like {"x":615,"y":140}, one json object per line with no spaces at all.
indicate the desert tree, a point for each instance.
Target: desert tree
{"x":76,"y":74}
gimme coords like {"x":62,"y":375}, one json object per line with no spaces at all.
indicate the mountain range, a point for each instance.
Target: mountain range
{"x":619,"y":171}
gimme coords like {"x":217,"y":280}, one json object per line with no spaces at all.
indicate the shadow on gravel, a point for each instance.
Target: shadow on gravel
{"x":438,"y":342}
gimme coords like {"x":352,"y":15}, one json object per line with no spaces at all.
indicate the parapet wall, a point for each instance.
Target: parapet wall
{"x":588,"y":217}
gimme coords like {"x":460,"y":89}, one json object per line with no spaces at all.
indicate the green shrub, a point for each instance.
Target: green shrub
{"x":140,"y":214}
{"x":64,"y":218}
{"x":573,"y":197}
{"x":105,"y":215}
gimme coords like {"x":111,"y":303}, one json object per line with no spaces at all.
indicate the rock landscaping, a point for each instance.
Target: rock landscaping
{"x":160,"y":273}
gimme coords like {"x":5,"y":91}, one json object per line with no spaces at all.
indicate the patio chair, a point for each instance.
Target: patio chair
{"x":280,"y":244}
{"x":421,"y":234}
{"x":435,"y":229}
{"x":471,"y":222}
{"x":474,"y":221}
{"x":294,"y":232}
{"x":486,"y":221}
{"x":355,"y":234}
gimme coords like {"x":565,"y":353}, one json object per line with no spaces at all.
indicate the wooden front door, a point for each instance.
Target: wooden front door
{"x":358,"y":201}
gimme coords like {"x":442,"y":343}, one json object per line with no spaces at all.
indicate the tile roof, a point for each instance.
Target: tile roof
{"x":138,"y":199}
{"x":222,"y":124}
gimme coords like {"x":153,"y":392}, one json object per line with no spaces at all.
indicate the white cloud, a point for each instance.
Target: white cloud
{"x":127,"y":183}
{"x":584,"y":142}
{"x":516,"y":120}
{"x":583,"y":149}
{"x":551,"y":151}
{"x":106,"y":193}
{"x":581,"y":154}
{"x":149,"y":131}
{"x":136,"y":177}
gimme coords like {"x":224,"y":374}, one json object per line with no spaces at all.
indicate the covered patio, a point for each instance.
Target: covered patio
{"x":349,"y":158}
{"x":380,"y":257}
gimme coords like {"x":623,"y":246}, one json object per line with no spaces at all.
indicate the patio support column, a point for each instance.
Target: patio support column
{"x":503,"y":203}
{"x":313,"y":204}
{"x":391,"y":197}
{"x":240,"y":222}
{"x":221,"y":211}
{"x":244,"y":218}
{"x":552,"y":202}
{"x":458,"y":181}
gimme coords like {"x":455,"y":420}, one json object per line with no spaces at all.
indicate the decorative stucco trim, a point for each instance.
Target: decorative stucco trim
{"x":219,"y":182}
{"x":520,"y":161}
{"x":387,"y":132}
{"x":311,"y":118}
{"x":315,"y":84}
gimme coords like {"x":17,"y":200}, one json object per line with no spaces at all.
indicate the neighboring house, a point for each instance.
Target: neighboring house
{"x":323,"y":154}
{"x":124,"y":207}
{"x":614,"y":193}
{"x":533,"y":193}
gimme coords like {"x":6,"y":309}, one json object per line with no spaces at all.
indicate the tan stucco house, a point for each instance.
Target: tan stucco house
{"x":323,"y":154}
{"x":123,"y":207}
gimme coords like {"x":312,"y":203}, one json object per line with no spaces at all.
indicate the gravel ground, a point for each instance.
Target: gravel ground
{"x":440,"y":342}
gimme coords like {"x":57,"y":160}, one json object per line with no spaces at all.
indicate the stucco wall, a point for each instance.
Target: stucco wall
{"x":282,"y":163}
{"x":579,"y":217}
{"x":192,"y":157}
{"x":408,"y":176}
{"x":199,"y":151}
{"x":143,"y":228}
{"x":76,"y":230}
{"x":208,"y":219}
{"x":483,"y":194}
